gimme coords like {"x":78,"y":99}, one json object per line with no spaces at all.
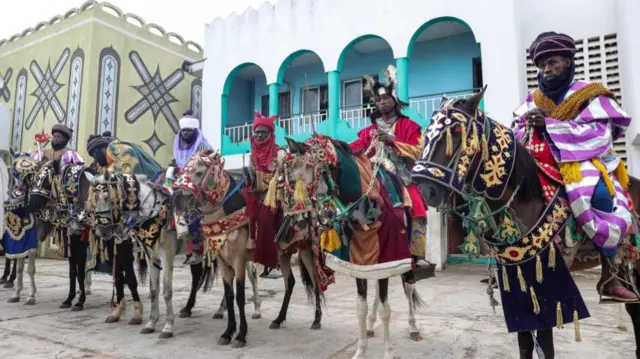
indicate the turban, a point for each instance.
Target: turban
{"x":550,"y":44}
{"x":63,"y":130}
{"x":188,"y":121}
{"x":95,"y":142}
{"x":267,"y":122}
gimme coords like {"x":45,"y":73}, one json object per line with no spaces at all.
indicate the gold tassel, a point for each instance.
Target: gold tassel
{"x":570,"y":172}
{"x":605,"y":175}
{"x":463,"y":135}
{"x":485,"y":148}
{"x":552,"y":256}
{"x":330,"y":241}
{"x":300,"y":192}
{"x":270,"y":198}
{"x":534,"y":299}
{"x":474,"y":142}
{"x":622,"y":175}
{"x":538,"y":269}
{"x":505,"y":280}
{"x":559,"y":320}
{"x":523,"y":285}
{"x":449,"y":150}
{"x":576,"y":323}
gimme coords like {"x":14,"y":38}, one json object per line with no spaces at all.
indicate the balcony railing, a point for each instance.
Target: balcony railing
{"x":357,"y":116}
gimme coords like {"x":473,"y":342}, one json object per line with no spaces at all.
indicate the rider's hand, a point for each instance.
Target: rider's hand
{"x":535,"y":118}
{"x":385,"y":137}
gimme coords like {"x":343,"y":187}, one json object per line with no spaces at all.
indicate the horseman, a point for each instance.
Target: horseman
{"x":59,"y":152}
{"x":264,"y":222}
{"x":570,"y":126}
{"x":400,"y":137}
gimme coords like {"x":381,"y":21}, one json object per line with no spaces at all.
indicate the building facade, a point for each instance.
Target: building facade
{"x":95,"y":69}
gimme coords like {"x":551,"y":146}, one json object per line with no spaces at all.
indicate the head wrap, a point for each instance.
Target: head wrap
{"x":374,"y":88}
{"x":189,"y":121}
{"x":183,"y":151}
{"x":550,"y":44}
{"x":63,"y":130}
{"x":268,"y":122}
{"x":95,"y":142}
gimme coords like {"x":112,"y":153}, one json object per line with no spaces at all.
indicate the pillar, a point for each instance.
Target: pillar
{"x":274,"y":93}
{"x":333,"y":84}
{"x":402,"y":65}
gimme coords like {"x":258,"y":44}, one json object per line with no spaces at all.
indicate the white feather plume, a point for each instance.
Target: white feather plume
{"x":392,"y":75}
{"x":369,"y":83}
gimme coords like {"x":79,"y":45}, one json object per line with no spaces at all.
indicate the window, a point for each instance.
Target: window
{"x":353,"y":94}
{"x":477,"y":72}
{"x":284,"y":105}
{"x":264,"y":105}
{"x":315,"y":99}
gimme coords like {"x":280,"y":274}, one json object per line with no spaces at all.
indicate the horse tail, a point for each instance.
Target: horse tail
{"x":306,"y":281}
{"x":143,"y":270}
{"x":208,"y":275}
{"x":416,"y":299}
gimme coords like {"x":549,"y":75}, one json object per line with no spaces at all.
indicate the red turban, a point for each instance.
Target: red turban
{"x":267,"y":122}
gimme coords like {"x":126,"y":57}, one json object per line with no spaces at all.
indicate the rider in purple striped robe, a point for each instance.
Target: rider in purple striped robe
{"x":570,"y":127}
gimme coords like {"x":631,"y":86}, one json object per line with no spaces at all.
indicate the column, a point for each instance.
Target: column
{"x":333,"y":84}
{"x":402,"y":65}
{"x":274,"y":92}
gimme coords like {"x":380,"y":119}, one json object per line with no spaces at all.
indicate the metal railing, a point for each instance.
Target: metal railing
{"x":294,"y":125}
{"x":427,"y":104}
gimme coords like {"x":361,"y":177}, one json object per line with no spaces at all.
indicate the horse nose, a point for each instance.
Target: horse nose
{"x":432,"y":194}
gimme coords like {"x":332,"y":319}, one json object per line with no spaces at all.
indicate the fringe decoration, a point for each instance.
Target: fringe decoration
{"x":300,"y":192}
{"x":270,"y":197}
{"x":463,"y":135}
{"x":505,"y":280}
{"x":622,"y":175}
{"x":576,"y":323}
{"x":605,"y":175}
{"x":449,"y":150}
{"x":485,"y":149}
{"x":523,"y":284}
{"x":474,"y":142}
{"x":538,"y":269}
{"x":534,"y":299}
{"x":552,"y":256}
{"x":559,"y":320}
{"x":570,"y":172}
{"x":330,"y":240}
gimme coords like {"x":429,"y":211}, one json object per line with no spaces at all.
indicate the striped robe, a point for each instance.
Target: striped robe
{"x":590,"y":135}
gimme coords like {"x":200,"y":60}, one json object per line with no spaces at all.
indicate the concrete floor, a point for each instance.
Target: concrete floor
{"x":456,"y":323}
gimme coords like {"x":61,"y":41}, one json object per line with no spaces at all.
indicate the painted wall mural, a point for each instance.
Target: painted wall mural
{"x":47,"y":87}
{"x":19,"y":109}
{"x":196,"y":99}
{"x":5,"y":93}
{"x":108,"y":86}
{"x":74,"y":94}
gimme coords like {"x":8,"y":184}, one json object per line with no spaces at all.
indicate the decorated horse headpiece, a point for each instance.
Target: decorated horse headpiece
{"x":24,"y":167}
{"x":481,"y":141}
{"x":203,"y":176}
{"x":44,"y":181}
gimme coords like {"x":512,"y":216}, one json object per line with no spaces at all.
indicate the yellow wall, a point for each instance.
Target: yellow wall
{"x":95,"y":33}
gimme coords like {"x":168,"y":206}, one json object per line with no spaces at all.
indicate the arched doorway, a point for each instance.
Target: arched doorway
{"x":366,"y":55}
{"x":303,"y":96}
{"x":242,"y":94}
{"x":444,"y":59}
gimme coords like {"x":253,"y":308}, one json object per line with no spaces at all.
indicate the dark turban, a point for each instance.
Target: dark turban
{"x":97,"y":141}
{"x":550,"y":44}
{"x":63,"y":130}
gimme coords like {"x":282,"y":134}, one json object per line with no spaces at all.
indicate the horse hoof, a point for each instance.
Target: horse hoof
{"x":3,"y":280}
{"x":370,"y":333}
{"x":135,"y":321}
{"x":416,"y":336}
{"x":275,"y":325}
{"x":30,"y":301}
{"x":256,"y":316}
{"x":65,"y":305}
{"x":87,"y":292}
{"x":184,"y":314}
{"x":238,"y":343}
{"x":316,"y":326}
{"x":224,"y":341}
{"x":165,"y":335}
{"x":13,"y":300}
{"x":78,"y":307}
{"x":8,"y":285}
{"x":147,"y":330}
{"x":112,"y":319}
{"x":218,"y":316}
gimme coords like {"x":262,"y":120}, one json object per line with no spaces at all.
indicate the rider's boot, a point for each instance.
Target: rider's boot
{"x":137,"y":314}
{"x":610,"y":286}
{"x":118,"y":311}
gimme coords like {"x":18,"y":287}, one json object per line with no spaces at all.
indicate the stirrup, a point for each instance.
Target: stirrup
{"x":609,"y":298}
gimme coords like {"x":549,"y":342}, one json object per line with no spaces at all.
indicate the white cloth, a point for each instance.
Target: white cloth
{"x":189,"y":122}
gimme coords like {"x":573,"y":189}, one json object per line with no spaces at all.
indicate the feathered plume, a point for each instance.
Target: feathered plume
{"x":369,"y":84}
{"x":392,"y":75}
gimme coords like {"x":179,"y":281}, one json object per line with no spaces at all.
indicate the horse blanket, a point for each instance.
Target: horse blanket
{"x":20,"y":234}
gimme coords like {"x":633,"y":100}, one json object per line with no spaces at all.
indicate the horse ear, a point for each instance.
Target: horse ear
{"x":12,"y":152}
{"x":290,"y":143}
{"x":474,"y":101}
{"x":90,"y":176}
{"x":443,"y":101}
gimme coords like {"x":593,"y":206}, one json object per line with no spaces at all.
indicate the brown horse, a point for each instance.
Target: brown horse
{"x":453,"y":159}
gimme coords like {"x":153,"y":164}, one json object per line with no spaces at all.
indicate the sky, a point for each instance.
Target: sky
{"x":184,"y":17}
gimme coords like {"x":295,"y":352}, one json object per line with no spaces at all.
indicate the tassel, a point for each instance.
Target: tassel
{"x":485,"y":149}
{"x":559,"y":320}
{"x":505,"y":280}
{"x":576,"y":323}
{"x":605,"y":176}
{"x":463,"y":135}
{"x":622,"y":175}
{"x":330,"y":241}
{"x":270,"y":198}
{"x":570,"y":172}
{"x":300,"y":192}
{"x":449,"y":150}
{"x":538,"y":269}
{"x":523,"y":285}
{"x":534,"y":299}
{"x":552,"y":256}
{"x":474,"y":142}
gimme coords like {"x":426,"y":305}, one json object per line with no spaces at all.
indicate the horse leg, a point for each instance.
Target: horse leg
{"x":118,"y":283}
{"x":132,"y":282}
{"x":7,"y":270}
{"x":253,"y":278}
{"x":87,"y":282}
{"x":239,"y":264}
{"x":20,"y":271}
{"x":221,"y":309}
{"x":31,"y":270}
{"x":634,"y":313}
{"x":306,"y":256}
{"x":196,"y":274}
{"x":289,"y":283}
{"x":525,"y":345}
{"x":11,"y":277}
{"x":384,"y":311}
{"x":362,"y":308}
{"x":371,"y":318}
{"x":154,"y":289}
{"x":545,"y":340}
{"x":80,"y":259}
{"x":72,"y":284}
{"x":227,"y":280}
{"x":409,"y":285}
{"x":169,"y":241}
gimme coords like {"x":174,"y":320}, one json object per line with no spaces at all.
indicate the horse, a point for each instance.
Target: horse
{"x":9,"y":272}
{"x":204,"y":192}
{"x":58,"y":197}
{"x":353,"y":210}
{"x":469,"y":156}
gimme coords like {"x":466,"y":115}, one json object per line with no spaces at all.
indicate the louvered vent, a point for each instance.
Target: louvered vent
{"x":596,"y":60}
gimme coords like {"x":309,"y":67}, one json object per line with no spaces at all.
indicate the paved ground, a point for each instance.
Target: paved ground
{"x":457,"y":323}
